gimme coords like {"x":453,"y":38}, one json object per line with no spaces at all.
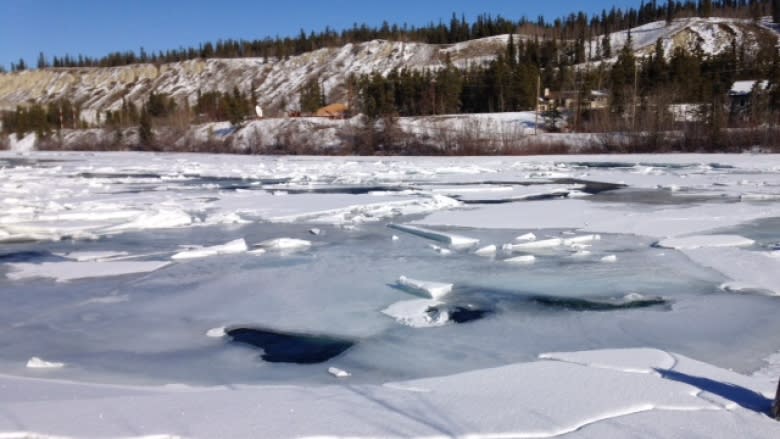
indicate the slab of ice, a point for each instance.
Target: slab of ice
{"x":38,"y":363}
{"x":748,"y":270}
{"x":71,"y":270}
{"x":581,"y":240}
{"x":610,"y":259}
{"x":217,"y":332}
{"x":455,"y":241}
{"x":626,"y":393}
{"x":486,"y":251}
{"x":418,"y":313}
{"x":440,"y":250}
{"x":284,"y":244}
{"x":92,"y":256}
{"x":161,"y":219}
{"x":526,"y":237}
{"x":339,"y":373}
{"x":435,"y":290}
{"x":705,"y":241}
{"x":533,"y":245}
{"x":232,"y":247}
{"x":521,"y":260}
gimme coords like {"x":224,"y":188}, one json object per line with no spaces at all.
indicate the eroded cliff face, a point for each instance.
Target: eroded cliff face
{"x":276,"y":83}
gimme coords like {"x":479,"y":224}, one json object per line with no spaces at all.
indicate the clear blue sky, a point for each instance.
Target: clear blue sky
{"x":96,"y":27}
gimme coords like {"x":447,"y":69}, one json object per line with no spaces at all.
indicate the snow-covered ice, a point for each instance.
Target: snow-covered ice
{"x":146,"y":346}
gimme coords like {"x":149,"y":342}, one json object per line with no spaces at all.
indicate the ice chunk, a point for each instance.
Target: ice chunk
{"x":162,"y":219}
{"x":521,"y":260}
{"x":581,"y":254}
{"x":395,"y":238}
{"x":418,"y":313}
{"x":534,"y":245}
{"x":232,"y":247}
{"x":705,"y":241}
{"x":257,"y":252}
{"x":578,"y":240}
{"x":217,"y":332}
{"x":434,"y":290}
{"x":72,"y":270}
{"x":38,"y":363}
{"x":284,"y":244}
{"x":454,"y":241}
{"x":92,"y":256}
{"x":610,"y":259}
{"x":526,"y":237}
{"x":440,"y":250}
{"x":339,"y":373}
{"x":487,"y":251}
{"x":315,"y":232}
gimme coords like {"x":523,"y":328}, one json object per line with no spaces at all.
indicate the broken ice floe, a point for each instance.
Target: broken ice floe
{"x":284,"y":244}
{"x":426,"y":313}
{"x":339,"y":373}
{"x":72,"y":270}
{"x":440,"y":250}
{"x":38,"y":363}
{"x":611,"y":259}
{"x":434,"y":290}
{"x":217,"y":332}
{"x":232,"y":247}
{"x":526,"y":237}
{"x":533,"y":245}
{"x":705,"y":241}
{"x":487,"y":251}
{"x":454,"y":241}
{"x":521,"y":260}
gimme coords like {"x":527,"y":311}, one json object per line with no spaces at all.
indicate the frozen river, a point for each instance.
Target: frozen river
{"x":148,"y":270}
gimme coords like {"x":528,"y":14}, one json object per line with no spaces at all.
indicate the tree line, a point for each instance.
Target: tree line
{"x":577,"y":26}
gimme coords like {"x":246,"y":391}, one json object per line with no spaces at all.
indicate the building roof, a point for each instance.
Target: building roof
{"x":742,"y":88}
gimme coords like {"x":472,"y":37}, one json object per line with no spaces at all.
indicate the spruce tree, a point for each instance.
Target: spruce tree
{"x":776,"y":11}
{"x":145,"y":134}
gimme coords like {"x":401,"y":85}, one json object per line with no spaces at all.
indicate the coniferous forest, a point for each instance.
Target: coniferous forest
{"x":558,"y":56}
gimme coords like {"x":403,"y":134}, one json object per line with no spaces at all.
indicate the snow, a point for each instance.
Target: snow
{"x":23,"y":145}
{"x":434,"y":290}
{"x":232,"y":247}
{"x":746,"y":87}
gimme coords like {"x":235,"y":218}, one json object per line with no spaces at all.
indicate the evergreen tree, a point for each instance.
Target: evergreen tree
{"x":145,"y":134}
{"x":776,"y":11}
{"x":311,"y":98}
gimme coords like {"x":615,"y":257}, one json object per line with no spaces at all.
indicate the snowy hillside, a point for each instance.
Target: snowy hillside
{"x":277,"y":82}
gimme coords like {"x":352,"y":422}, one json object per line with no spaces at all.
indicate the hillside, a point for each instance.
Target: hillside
{"x":277,"y":82}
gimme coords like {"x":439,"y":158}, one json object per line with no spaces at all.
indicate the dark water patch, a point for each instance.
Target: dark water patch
{"x":468,"y":313}
{"x":288,"y":347}
{"x":591,"y":187}
{"x":25,"y":256}
{"x":539,"y":197}
{"x":342,"y":190}
{"x":629,"y":165}
{"x":581,"y":304}
{"x":657,"y":197}
{"x":120,"y":175}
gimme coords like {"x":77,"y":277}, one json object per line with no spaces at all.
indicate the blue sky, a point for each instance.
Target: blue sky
{"x":96,"y":27}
